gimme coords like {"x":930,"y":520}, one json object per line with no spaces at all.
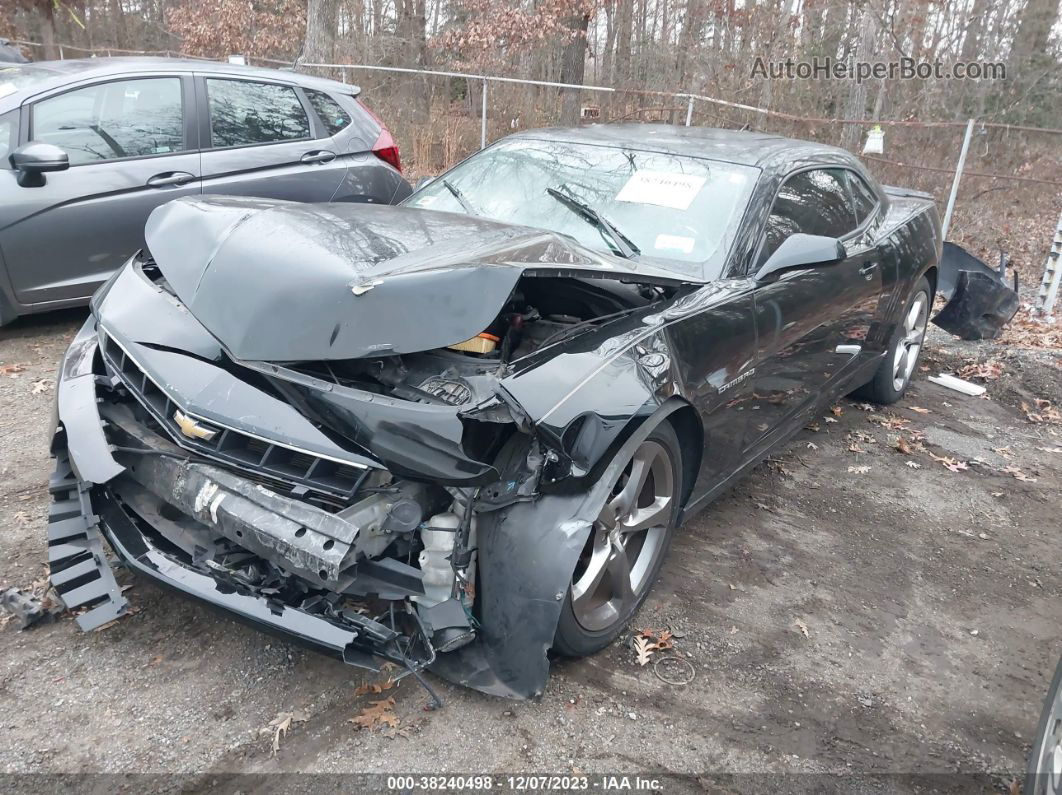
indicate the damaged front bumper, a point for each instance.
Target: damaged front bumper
{"x":106,"y":486}
{"x":172,"y":515}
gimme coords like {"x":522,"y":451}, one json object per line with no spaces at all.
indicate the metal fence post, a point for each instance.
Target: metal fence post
{"x":957,"y":179}
{"x":689,"y":110}
{"x":483,"y":119}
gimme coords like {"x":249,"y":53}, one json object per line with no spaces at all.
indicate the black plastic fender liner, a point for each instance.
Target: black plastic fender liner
{"x":979,"y":307}
{"x":527,"y":555}
{"x":980,"y":302}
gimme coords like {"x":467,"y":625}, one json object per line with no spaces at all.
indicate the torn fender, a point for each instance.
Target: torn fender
{"x":527,"y":555}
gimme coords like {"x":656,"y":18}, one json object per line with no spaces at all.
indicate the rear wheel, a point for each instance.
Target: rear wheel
{"x":1044,"y":776}
{"x":895,"y":371}
{"x":626,"y":547}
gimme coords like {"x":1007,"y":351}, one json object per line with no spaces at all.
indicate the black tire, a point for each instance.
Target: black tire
{"x":576,"y":635}
{"x":885,"y":387}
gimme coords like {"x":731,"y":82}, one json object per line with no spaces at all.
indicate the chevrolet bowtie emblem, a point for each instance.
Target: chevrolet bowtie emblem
{"x":193,"y":429}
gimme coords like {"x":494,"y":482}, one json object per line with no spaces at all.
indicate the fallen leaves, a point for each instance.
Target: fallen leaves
{"x":906,"y":447}
{"x":860,"y":470}
{"x":919,"y":410}
{"x":1017,"y":474}
{"x":12,"y":370}
{"x":280,"y":725}
{"x":374,"y":687}
{"x":812,"y":446}
{"x":1042,"y":412}
{"x":949,"y":463}
{"x":986,"y":371}
{"x":377,"y":715}
{"x":913,"y":464}
{"x":42,"y":386}
{"x":648,"y":641}
{"x":802,"y":627}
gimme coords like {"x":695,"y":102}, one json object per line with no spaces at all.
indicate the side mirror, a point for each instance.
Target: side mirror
{"x":32,"y":160}
{"x":802,"y":251}
{"x":420,"y":183}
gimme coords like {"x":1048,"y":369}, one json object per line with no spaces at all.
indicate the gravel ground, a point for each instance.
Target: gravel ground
{"x":848,"y":609}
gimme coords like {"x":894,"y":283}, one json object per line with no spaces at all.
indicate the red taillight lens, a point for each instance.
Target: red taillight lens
{"x":385,"y":147}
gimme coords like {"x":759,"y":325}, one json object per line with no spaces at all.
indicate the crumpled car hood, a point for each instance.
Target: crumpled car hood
{"x":281,"y":281}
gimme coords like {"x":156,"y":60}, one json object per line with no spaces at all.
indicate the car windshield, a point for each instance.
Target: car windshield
{"x":679,"y":212}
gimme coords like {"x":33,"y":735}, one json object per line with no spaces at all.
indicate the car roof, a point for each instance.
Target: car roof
{"x":746,"y":147}
{"x":76,"y":70}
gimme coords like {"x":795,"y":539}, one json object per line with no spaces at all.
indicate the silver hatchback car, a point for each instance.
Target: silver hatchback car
{"x":89,"y":148}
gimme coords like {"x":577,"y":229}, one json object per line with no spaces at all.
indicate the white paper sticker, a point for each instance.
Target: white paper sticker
{"x":661,"y":188}
{"x":674,"y":243}
{"x":7,"y":88}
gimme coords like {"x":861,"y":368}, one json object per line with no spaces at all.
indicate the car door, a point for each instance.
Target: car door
{"x":810,"y":321}
{"x":132,"y":146}
{"x":263,"y":139}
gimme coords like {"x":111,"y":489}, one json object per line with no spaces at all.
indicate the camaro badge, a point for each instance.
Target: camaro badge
{"x":191,"y":428}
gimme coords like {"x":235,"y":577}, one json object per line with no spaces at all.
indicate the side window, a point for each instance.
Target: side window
{"x":812,"y":202}
{"x":8,"y":137}
{"x":328,"y":110}
{"x":244,"y":113}
{"x":864,"y":198}
{"x":107,"y":121}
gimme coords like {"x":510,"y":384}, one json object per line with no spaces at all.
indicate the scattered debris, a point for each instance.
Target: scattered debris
{"x":803,"y":628}
{"x":27,"y":608}
{"x":674,"y":670}
{"x":812,"y":446}
{"x":836,"y":411}
{"x":12,"y":370}
{"x":860,"y":470}
{"x":914,"y":464}
{"x":959,"y":385}
{"x":42,"y":386}
{"x":920,"y":410}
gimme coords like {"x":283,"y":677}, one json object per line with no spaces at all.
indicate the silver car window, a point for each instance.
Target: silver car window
{"x":108,"y":121}
{"x":243,"y":113}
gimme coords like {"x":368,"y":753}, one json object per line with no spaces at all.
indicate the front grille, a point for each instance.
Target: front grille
{"x":299,"y":469}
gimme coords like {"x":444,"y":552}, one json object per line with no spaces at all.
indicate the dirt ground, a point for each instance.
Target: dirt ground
{"x":848,"y":609}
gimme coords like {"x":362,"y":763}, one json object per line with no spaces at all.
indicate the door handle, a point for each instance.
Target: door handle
{"x":319,"y":156}
{"x":168,"y":178}
{"x":867,"y":271}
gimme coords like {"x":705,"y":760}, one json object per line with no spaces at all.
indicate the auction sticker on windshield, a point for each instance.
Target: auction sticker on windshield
{"x":661,"y":188}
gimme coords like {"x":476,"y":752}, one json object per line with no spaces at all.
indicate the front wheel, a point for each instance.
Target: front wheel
{"x":895,"y":371}
{"x":626,"y":547}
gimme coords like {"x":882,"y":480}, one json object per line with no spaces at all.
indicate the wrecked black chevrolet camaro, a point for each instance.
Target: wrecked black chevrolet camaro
{"x":459,"y":433}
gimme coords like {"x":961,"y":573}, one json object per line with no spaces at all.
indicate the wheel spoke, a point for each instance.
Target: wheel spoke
{"x":624,"y":501}
{"x":913,"y":316}
{"x":591,"y":578}
{"x":656,"y":513}
{"x":619,"y":570}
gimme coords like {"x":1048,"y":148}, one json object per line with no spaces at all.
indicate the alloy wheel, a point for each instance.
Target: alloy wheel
{"x":1048,"y":767}
{"x":910,"y":344}
{"x":626,"y":540}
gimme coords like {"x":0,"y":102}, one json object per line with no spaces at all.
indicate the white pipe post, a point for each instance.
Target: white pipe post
{"x":689,"y":110}
{"x":483,"y":119}
{"x":957,"y":179}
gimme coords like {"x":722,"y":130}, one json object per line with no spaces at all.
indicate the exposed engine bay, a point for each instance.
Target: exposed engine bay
{"x":392,"y":558}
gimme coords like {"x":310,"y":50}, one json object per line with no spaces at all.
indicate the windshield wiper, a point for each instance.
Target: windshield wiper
{"x":465,"y":204}
{"x":626,"y":246}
